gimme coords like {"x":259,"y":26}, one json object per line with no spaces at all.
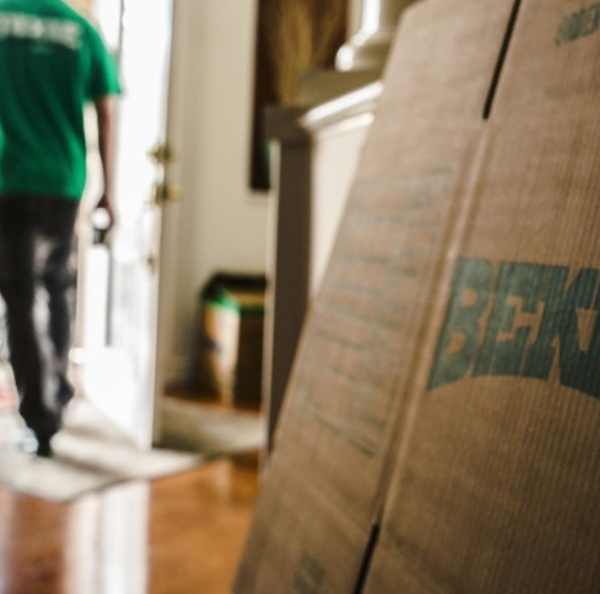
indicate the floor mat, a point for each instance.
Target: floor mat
{"x":86,"y":459}
{"x":212,"y":431}
{"x":53,"y":480}
{"x":91,"y":454}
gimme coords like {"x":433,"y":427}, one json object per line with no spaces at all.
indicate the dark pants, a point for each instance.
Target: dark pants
{"x":36,"y":236}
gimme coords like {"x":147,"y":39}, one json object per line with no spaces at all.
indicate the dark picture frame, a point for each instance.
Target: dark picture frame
{"x":293,"y":37}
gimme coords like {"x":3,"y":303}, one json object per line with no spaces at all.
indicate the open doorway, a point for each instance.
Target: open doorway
{"x":119,"y":280}
{"x":127,"y":307}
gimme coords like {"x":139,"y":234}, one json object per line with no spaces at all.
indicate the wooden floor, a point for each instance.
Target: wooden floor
{"x":181,"y":535}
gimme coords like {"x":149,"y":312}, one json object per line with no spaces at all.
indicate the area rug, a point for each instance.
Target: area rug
{"x":91,"y":454}
{"x":213,"y":431}
{"x":52,"y":480}
{"x":86,"y":459}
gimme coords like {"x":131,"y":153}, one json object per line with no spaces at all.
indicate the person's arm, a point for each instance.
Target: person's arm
{"x":105,"y":111}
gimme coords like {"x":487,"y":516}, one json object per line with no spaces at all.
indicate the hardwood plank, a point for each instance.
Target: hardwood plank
{"x":177,"y":535}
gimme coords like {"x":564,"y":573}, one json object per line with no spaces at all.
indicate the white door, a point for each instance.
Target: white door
{"x":122,"y":380}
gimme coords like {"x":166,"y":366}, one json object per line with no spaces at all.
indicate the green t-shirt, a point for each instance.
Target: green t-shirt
{"x":51,"y":62}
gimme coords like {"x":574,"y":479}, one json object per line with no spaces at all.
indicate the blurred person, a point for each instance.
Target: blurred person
{"x":52,"y":62}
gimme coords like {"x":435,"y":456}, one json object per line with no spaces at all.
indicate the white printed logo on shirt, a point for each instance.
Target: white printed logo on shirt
{"x":49,"y":30}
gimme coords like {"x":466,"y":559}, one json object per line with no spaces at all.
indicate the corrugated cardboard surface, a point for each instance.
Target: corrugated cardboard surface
{"x":302,"y":543}
{"x":497,"y":489}
{"x":349,"y":382}
{"x":351,"y":386}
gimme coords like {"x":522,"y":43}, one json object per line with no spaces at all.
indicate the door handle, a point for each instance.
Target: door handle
{"x":161,"y":154}
{"x":163,"y":193}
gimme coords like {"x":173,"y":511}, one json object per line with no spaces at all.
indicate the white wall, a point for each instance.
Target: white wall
{"x":220,"y":223}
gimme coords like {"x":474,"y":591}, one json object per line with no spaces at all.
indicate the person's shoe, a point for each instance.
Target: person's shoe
{"x":44,"y":449}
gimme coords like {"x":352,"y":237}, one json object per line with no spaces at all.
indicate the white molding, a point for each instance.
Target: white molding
{"x":361,"y":102}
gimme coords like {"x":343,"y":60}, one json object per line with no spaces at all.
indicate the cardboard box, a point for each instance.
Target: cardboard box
{"x":351,"y":387}
{"x":496,"y":488}
{"x":463,"y":297}
{"x":349,"y":384}
{"x":232,"y":338}
{"x":290,"y":549}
